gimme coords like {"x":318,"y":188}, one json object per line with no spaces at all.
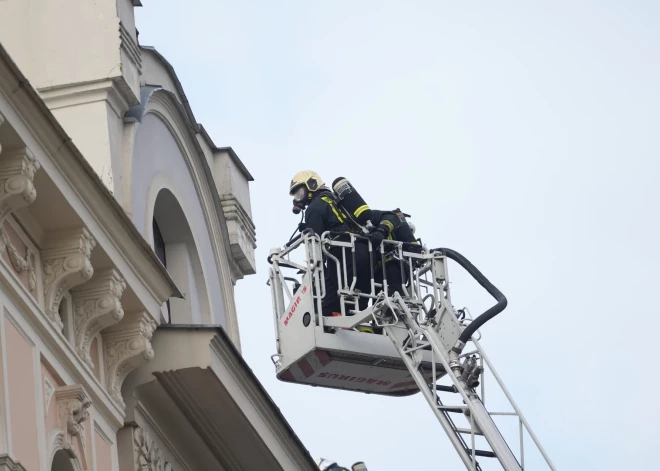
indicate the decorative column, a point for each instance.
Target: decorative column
{"x":96,"y":306}
{"x":66,"y":264}
{"x":17,"y":169}
{"x":127,"y":347}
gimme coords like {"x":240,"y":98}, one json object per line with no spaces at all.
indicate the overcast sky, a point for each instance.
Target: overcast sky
{"x":523,"y":134}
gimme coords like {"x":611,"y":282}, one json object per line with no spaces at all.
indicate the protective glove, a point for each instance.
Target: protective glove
{"x":377,"y":237}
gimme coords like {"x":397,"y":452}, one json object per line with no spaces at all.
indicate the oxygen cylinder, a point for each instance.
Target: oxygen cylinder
{"x":351,"y":201}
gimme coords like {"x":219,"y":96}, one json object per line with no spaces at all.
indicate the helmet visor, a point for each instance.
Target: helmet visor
{"x":299,"y":193}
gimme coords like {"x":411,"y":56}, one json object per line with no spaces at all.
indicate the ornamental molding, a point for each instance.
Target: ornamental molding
{"x":72,"y":403}
{"x":19,"y":262}
{"x":148,"y":456}
{"x":96,"y":306}
{"x":66,"y":264}
{"x":127,"y":347}
{"x":17,"y":170}
{"x":49,"y":390}
{"x":7,"y":463}
{"x":242,"y":234}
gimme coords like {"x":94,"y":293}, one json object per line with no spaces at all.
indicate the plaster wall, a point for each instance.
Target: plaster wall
{"x":22,"y":390}
{"x":61,"y":42}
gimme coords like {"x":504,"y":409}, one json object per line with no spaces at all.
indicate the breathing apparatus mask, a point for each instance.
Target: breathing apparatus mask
{"x":299,"y":199}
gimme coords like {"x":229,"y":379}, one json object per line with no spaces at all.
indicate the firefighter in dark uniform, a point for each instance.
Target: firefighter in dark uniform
{"x":323,"y":214}
{"x":387,"y":225}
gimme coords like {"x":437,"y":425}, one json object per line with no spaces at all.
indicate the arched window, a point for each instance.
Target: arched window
{"x":159,"y":244}
{"x":159,"y":248}
{"x":62,"y":462}
{"x":175,"y":246}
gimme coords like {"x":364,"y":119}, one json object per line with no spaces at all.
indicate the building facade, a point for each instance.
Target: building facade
{"x":123,"y":230}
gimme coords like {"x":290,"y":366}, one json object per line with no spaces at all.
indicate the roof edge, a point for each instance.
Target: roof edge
{"x":232,"y":154}
{"x":240,"y":362}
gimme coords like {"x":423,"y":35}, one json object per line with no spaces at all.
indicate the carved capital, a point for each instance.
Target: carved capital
{"x":96,"y":305}
{"x":127,"y":347}
{"x":147,"y":454}
{"x":72,"y":404}
{"x":17,"y":169}
{"x":66,"y":264}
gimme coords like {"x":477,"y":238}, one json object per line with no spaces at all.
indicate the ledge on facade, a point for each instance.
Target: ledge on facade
{"x":202,"y":373}
{"x":234,"y":157}
{"x":8,"y":464}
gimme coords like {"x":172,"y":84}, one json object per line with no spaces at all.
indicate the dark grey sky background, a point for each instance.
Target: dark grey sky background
{"x":523,"y":134}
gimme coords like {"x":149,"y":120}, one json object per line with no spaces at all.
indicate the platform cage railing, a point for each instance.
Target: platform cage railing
{"x":305,"y":257}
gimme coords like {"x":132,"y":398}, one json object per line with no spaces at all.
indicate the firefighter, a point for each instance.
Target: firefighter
{"x":323,"y":214}
{"x":390,"y":225}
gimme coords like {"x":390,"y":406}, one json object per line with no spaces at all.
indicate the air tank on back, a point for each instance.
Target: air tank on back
{"x":351,"y":201}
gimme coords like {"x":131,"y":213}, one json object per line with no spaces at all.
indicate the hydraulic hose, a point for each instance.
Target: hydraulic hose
{"x":487,"y":285}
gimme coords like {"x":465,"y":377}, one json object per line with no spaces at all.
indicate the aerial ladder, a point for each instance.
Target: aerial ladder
{"x":422,"y":343}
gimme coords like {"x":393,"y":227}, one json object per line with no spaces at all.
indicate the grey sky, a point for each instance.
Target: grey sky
{"x":523,"y":134}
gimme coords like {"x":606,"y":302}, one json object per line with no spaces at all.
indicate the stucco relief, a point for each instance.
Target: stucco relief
{"x":66,"y":264}
{"x":19,"y":262}
{"x":127,"y":346}
{"x":148,"y":456}
{"x":49,"y":389}
{"x":17,"y":170}
{"x":72,"y":404}
{"x":97,"y":305}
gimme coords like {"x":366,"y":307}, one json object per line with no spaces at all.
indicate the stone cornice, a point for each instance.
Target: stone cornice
{"x":260,"y":399}
{"x":96,"y":305}
{"x":87,"y":92}
{"x":8,"y":464}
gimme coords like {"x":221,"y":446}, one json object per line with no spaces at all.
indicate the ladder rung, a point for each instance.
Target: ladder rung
{"x":451,"y":409}
{"x":487,"y":454}
{"x":468,"y":431}
{"x":451,"y":389}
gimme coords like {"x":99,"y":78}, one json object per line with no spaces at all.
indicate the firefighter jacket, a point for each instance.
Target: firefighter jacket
{"x":323,"y":214}
{"x":386,"y":220}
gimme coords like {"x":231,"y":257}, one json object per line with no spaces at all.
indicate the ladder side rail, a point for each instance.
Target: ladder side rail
{"x":517,"y":410}
{"x":441,"y":415}
{"x":500,"y":383}
{"x":484,"y":420}
{"x":482,"y":417}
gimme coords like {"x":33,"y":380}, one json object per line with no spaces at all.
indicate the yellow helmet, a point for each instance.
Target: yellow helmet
{"x":308,"y":178}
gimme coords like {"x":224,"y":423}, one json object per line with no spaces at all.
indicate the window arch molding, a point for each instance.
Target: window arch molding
{"x":164,"y":105}
{"x":166,"y":207}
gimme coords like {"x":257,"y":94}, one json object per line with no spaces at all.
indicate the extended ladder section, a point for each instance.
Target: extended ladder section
{"x":437,"y":345}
